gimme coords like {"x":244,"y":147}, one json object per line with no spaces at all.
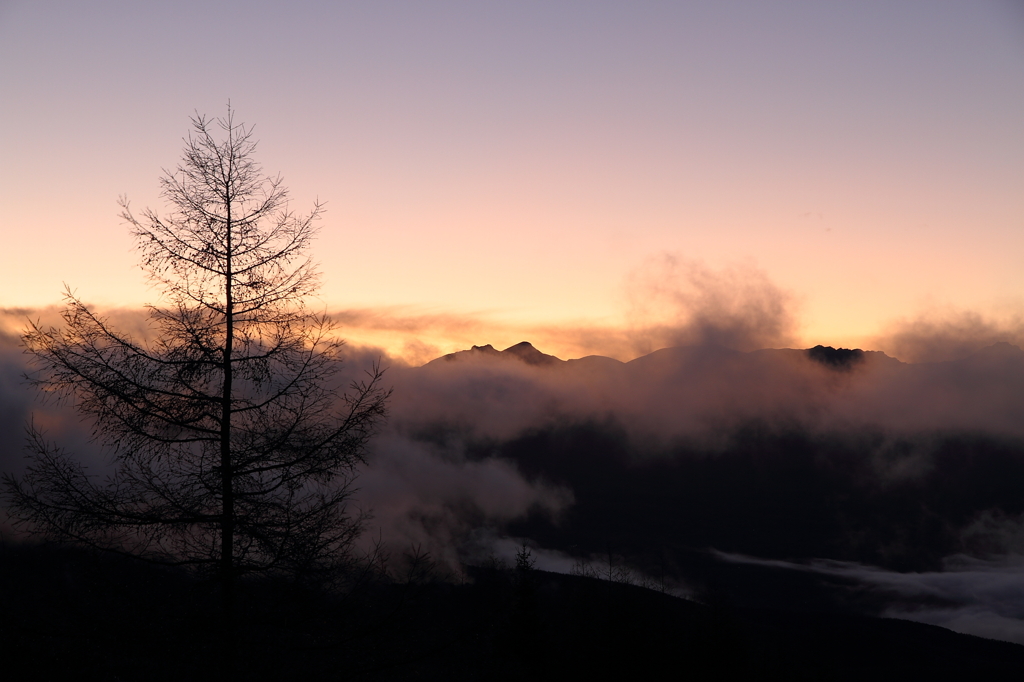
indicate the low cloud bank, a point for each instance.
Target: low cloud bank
{"x":947,"y":335}
{"x":436,"y":499}
{"x":696,"y":392}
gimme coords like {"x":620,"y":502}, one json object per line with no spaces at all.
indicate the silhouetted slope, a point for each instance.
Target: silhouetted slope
{"x":71,"y":614}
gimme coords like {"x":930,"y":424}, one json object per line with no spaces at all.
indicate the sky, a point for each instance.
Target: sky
{"x":559,"y":171}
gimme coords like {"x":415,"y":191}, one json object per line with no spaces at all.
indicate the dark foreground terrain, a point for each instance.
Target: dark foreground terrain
{"x":67,"y":613}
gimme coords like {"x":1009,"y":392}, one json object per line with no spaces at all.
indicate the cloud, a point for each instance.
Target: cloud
{"x":484,"y":548}
{"x":14,"y":321}
{"x":20,"y":403}
{"x":15,"y":404}
{"x":695,"y":392}
{"x":947,"y":335}
{"x":977,"y":597}
{"x":671,"y":302}
{"x":677,"y":302}
{"x":435,"y":498}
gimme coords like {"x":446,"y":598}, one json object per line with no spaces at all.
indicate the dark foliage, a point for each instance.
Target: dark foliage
{"x":837,"y":358}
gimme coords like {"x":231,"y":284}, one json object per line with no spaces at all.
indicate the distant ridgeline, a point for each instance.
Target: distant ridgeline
{"x":836,"y":358}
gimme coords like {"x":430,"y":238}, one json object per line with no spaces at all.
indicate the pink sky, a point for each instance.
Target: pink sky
{"x":493,"y":171}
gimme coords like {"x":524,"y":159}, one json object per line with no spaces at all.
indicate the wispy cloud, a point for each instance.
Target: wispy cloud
{"x":943,"y":335}
{"x":678,"y":302}
{"x":978,"y":597}
{"x":435,"y":498}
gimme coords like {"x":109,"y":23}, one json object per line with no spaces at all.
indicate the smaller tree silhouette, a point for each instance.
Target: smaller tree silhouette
{"x":524,"y":560}
{"x":525,"y":637}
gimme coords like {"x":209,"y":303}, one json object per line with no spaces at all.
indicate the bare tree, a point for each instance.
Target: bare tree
{"x":234,"y":450}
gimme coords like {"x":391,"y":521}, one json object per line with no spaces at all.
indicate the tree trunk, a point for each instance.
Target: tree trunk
{"x":227,"y":568}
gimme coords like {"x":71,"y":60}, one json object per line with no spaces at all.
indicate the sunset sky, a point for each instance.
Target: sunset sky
{"x":500,"y":171}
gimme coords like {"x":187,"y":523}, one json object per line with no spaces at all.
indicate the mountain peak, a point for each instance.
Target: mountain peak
{"x":523,"y":351}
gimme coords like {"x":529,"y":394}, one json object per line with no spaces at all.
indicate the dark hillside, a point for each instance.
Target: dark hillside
{"x":68,"y":613}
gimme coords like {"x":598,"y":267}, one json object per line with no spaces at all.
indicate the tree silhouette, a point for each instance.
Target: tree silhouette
{"x":234,"y":450}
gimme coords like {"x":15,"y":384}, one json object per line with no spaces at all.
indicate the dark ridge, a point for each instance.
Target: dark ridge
{"x":836,"y":358}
